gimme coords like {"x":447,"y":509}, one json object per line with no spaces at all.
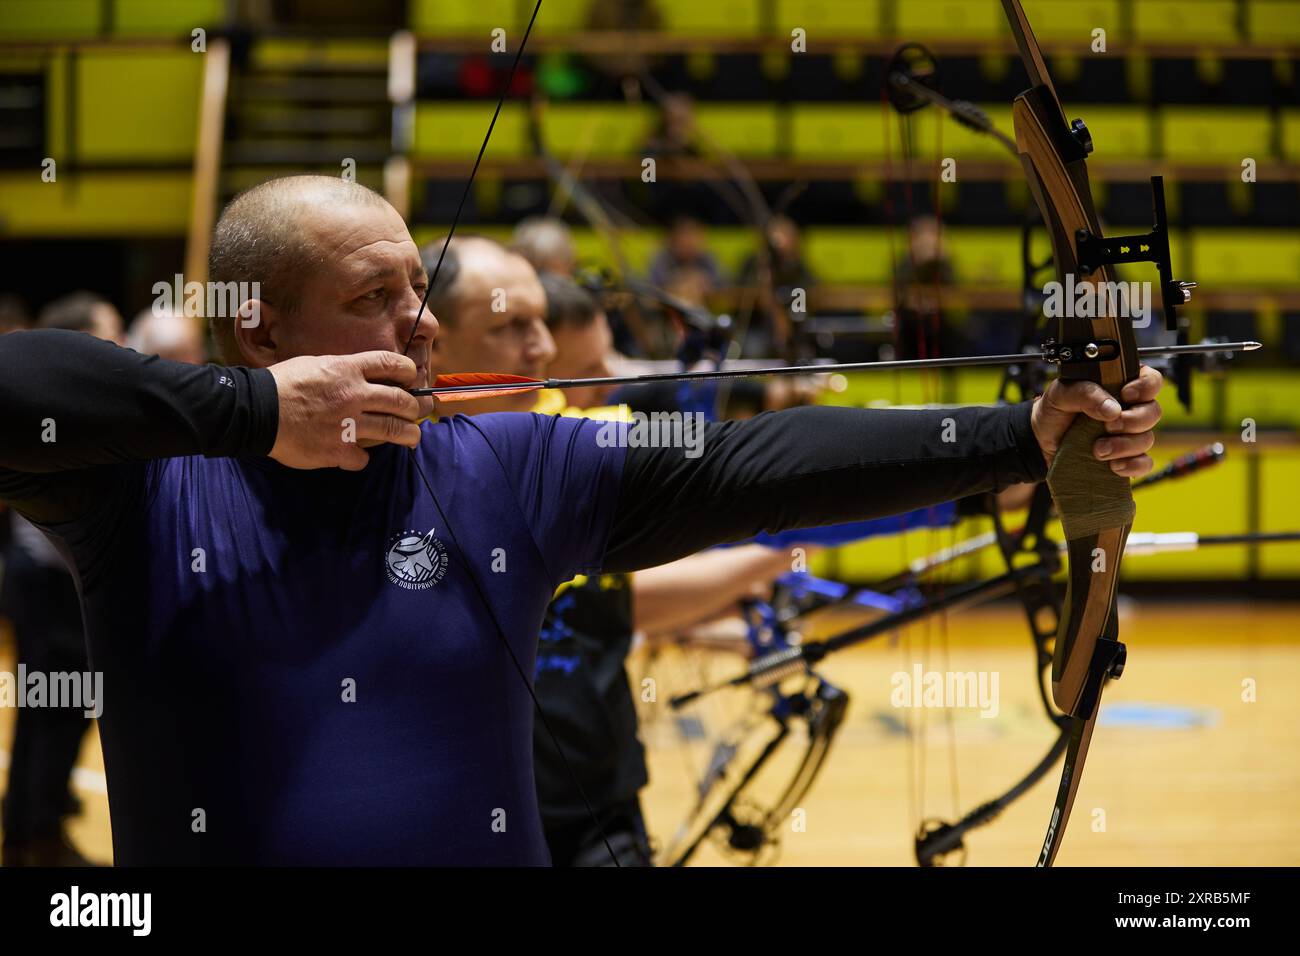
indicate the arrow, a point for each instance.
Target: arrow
{"x":465,"y":386}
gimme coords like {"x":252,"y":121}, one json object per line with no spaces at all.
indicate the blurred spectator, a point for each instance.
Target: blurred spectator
{"x":774,"y":323}
{"x":785,"y":252}
{"x":84,"y":312}
{"x":167,"y":335}
{"x":545,"y":242}
{"x":925,"y":269}
{"x":686,"y":252}
{"x":691,"y":285}
{"x":675,"y":134}
{"x":583,"y":343}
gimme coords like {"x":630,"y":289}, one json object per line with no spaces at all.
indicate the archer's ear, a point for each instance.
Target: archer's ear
{"x":256,"y":329}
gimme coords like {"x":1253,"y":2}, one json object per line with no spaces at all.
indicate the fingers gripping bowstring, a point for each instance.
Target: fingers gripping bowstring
{"x":415,"y":459}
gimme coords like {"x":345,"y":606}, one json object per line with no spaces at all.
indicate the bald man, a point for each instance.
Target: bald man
{"x":494,"y":300}
{"x":315,"y":617}
{"x":177,"y":338}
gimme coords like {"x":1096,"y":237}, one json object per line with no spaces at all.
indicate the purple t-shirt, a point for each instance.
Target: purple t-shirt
{"x":312,"y":676}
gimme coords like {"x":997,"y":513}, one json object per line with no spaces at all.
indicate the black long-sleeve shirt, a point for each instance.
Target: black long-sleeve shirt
{"x":308,"y":666}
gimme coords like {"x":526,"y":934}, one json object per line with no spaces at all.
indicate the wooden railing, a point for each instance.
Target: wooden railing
{"x":207,"y":159}
{"x":402,"y":59}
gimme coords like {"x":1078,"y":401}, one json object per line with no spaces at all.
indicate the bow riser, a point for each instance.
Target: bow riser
{"x":1095,"y":504}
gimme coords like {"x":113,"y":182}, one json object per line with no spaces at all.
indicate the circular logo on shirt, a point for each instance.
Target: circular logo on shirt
{"x":415,"y":561}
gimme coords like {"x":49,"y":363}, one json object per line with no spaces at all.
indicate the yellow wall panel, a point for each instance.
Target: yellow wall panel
{"x":447,"y":130}
{"x":950,"y":19}
{"x":829,"y":19}
{"x":745,"y":129}
{"x":95,"y":204}
{"x":1268,"y":397}
{"x":1185,"y":21}
{"x":1290,"y":126}
{"x":43,"y":20}
{"x":166,"y":17}
{"x":728,"y":18}
{"x":441,"y":18}
{"x":847,"y":255}
{"x":1273,"y":21}
{"x":1233,"y":258}
{"x":137,"y":106}
{"x":1204,"y":134}
{"x":1119,"y":132}
{"x":593,"y":130}
{"x":985,"y":256}
{"x":1074,"y":22}
{"x":820,"y":131}
{"x":1280,"y":510}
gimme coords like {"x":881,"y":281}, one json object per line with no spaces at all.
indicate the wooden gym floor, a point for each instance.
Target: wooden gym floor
{"x":1185,"y":768}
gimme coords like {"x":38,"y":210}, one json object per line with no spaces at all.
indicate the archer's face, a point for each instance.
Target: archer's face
{"x":499,"y":324}
{"x":366,"y":293}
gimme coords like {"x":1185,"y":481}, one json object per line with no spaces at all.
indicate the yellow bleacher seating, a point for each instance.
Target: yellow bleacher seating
{"x":438,"y":18}
{"x":829,"y":19}
{"x":961,"y":142}
{"x":721,"y":18}
{"x":1273,"y":21}
{"x":746,"y":129}
{"x":1279,"y":507}
{"x":847,"y":255}
{"x":446,"y":130}
{"x":1237,"y":258}
{"x":1211,"y":134}
{"x":822,"y":131}
{"x":1074,"y":22}
{"x":986,"y":256}
{"x":1185,"y":21}
{"x":1119,"y":132}
{"x":113,"y":205}
{"x":1270,"y":398}
{"x":597,"y":129}
{"x":36,"y":20}
{"x":1290,"y":129}
{"x":950,"y":20}
{"x":558,"y":17}
{"x":142,"y":114}
{"x":135,"y":18}
{"x":638,"y":247}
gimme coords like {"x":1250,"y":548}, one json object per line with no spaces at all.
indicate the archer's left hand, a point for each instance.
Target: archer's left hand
{"x":1130,"y":428}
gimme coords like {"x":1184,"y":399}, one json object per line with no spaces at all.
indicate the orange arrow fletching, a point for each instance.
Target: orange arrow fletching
{"x":475,"y":382}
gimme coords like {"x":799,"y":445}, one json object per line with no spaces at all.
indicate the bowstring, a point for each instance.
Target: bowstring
{"x":933,"y":632}
{"x":469,"y":573}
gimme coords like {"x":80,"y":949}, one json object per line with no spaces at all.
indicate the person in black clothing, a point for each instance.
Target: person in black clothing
{"x":40,"y":599}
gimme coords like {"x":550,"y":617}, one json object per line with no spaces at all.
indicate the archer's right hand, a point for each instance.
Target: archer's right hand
{"x":334,"y":406}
